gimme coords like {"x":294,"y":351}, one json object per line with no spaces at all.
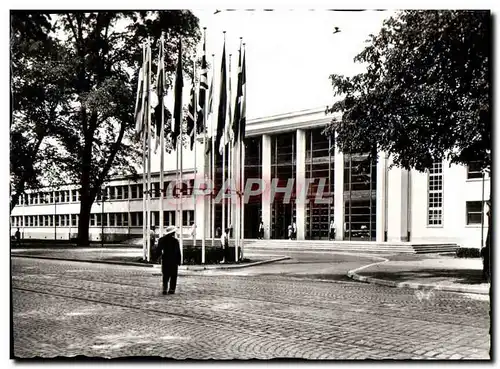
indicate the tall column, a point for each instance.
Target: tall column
{"x":339,"y":195}
{"x":266,"y":181}
{"x":397,"y":205}
{"x":381,"y":197}
{"x":300,"y":182}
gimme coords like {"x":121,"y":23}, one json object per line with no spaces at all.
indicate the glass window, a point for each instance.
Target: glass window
{"x":474,"y":212}
{"x":133,"y":191}
{"x":73,"y":220}
{"x":125,"y":192}
{"x":125,"y":219}
{"x":119,"y":220}
{"x":119,"y":192}
{"x":92,"y":220}
{"x":474,"y":170}
{"x":58,"y":220}
{"x":435,"y":195}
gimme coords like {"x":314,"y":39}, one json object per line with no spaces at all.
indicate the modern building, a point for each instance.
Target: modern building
{"x":368,"y":200}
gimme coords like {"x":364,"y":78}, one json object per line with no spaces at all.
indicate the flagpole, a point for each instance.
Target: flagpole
{"x":213,"y":164}
{"x":229,"y":161}
{"x":144,"y":178}
{"x":236,"y":169}
{"x":242,"y":151}
{"x":195,"y":128}
{"x":148,"y":225}
{"x":203,"y":241}
{"x":162,"y":143}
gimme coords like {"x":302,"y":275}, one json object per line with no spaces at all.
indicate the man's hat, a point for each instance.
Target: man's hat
{"x":170,"y":229}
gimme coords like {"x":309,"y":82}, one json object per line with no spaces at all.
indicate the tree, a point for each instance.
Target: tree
{"x":425,"y":94}
{"x":103,"y":50}
{"x":37,"y":96}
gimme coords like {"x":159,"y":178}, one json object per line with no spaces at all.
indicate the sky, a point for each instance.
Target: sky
{"x":290,"y":53}
{"x":290,"y":56}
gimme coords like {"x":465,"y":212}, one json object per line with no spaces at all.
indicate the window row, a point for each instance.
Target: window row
{"x":59,"y":220}
{"x":123,"y":192}
{"x":134,"y":219}
{"x":45,"y":197}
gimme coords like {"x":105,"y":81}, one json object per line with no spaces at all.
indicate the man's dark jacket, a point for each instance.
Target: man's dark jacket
{"x":168,"y":247}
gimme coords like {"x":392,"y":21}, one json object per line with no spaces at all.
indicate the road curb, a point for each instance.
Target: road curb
{"x":156,"y":266}
{"x":412,"y":285}
{"x":85,"y":260}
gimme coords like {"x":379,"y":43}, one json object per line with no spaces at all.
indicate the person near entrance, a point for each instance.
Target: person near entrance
{"x":332,"y":230}
{"x":224,"y":242}
{"x":294,"y":230}
{"x":18,"y":237}
{"x":261,"y":230}
{"x":290,"y":232}
{"x":170,"y":252}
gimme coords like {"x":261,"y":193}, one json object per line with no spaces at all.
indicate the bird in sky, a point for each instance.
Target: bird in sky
{"x":337,"y":30}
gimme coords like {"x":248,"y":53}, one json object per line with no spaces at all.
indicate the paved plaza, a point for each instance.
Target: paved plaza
{"x":63,"y":308}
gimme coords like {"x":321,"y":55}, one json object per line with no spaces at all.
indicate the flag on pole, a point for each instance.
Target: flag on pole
{"x":229,"y":128}
{"x":161,"y":92}
{"x":179,"y":84}
{"x":237,"y":109}
{"x":190,"y":115}
{"x":202,"y":93}
{"x":221,"y":118}
{"x":139,"y":102}
{"x":243,"y":119}
{"x":209,"y":112}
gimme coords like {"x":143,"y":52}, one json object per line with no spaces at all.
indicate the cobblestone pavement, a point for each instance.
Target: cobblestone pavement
{"x":69,"y":308}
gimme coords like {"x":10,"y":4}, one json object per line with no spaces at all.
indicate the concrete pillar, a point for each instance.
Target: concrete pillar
{"x":300,"y":203}
{"x":266,"y":180}
{"x":381,"y":197}
{"x":397,"y":205}
{"x":339,"y":195}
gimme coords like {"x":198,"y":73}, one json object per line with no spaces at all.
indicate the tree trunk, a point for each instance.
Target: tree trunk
{"x":86,"y":199}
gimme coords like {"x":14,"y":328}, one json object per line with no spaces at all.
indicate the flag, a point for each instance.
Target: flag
{"x":200,"y":128}
{"x":237,"y":103}
{"x":179,"y":83}
{"x":190,"y":115}
{"x":211,"y":97}
{"x":139,"y":102}
{"x":160,"y":91}
{"x":209,"y":147}
{"x":243,"y":119}
{"x":221,"y":118}
{"x":229,"y":130}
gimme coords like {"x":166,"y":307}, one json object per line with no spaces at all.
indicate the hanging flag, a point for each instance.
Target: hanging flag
{"x":221,"y":118}
{"x":209,"y":147}
{"x":179,"y":84}
{"x":161,"y":93}
{"x":190,"y":116}
{"x":237,"y":109}
{"x":243,"y":119}
{"x":202,"y":93}
{"x":139,"y":102}
{"x":229,"y":128}
{"x":211,"y":97}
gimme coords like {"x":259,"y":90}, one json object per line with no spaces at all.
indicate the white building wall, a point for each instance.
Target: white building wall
{"x":457,"y":189}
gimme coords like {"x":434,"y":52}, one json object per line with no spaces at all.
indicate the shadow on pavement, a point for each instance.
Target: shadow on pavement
{"x":462,"y":276}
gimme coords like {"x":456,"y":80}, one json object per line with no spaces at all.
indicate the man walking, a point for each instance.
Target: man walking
{"x":168,"y":247}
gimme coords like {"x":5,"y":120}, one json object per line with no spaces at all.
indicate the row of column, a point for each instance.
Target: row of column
{"x":392,"y":194}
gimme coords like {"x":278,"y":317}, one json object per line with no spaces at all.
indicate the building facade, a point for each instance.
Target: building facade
{"x":368,"y":200}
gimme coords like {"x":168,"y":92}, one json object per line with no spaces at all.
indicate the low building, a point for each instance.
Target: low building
{"x":367,"y":200}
